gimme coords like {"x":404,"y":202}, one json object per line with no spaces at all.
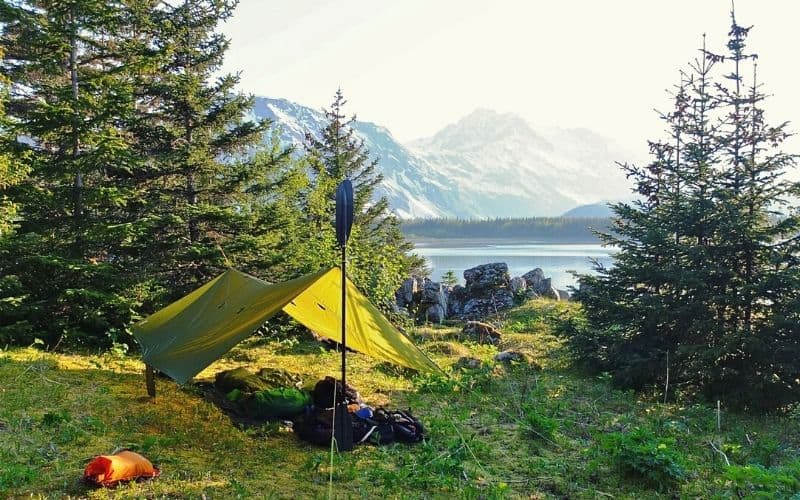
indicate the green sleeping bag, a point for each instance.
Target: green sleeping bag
{"x":283,"y":402}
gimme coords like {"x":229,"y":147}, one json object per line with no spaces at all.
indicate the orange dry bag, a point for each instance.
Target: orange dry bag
{"x":108,"y":470}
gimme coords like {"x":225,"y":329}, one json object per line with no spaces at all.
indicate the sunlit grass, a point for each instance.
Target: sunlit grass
{"x":498,"y":431}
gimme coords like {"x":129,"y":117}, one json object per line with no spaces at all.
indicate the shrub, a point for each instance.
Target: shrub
{"x":755,"y":481}
{"x":646,"y":457}
{"x":538,"y":425}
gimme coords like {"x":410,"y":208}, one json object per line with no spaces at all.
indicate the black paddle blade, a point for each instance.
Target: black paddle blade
{"x":344,"y":211}
{"x":343,"y":430}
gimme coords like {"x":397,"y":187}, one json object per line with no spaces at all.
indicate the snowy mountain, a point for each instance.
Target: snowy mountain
{"x":486,"y":165}
{"x":412,"y":187}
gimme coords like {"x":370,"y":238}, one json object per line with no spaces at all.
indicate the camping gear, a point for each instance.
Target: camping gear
{"x":277,"y":377}
{"x":239,"y":378}
{"x":315,"y":427}
{"x":380,"y":426}
{"x":371,"y":428}
{"x":109,"y":470}
{"x":189,"y":334}
{"x":343,"y":428}
{"x":324,"y":395}
{"x":407,"y":428}
{"x":246,"y":381}
{"x":282,"y":402}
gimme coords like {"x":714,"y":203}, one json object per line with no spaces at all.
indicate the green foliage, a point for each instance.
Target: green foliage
{"x":756,"y":481}
{"x":449,"y":278}
{"x":13,"y":169}
{"x":478,"y":443}
{"x":141,"y":166}
{"x":538,"y":425}
{"x":377,"y":250}
{"x":16,"y":475}
{"x":646,"y":457}
{"x":704,"y":282}
{"x":70,"y":67}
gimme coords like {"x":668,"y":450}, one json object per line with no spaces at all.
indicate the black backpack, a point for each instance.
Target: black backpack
{"x":376,"y":429}
{"x":407,"y":428}
{"x":324,"y":393}
{"x":315,"y":428}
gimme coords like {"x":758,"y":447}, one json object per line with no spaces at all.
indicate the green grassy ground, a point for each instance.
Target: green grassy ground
{"x":542,"y":431}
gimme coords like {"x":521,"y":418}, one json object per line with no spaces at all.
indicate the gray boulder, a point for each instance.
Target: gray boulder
{"x":435,"y":313}
{"x":487,"y":303}
{"x":539,"y":285}
{"x":517,"y":285}
{"x":487,"y":276}
{"x":551,"y":293}
{"x":534,"y":280}
{"x":467,"y":363}
{"x":405,"y":294}
{"x":512,"y":356}
{"x":433,"y":293}
{"x":455,"y":301}
{"x":563,"y":294}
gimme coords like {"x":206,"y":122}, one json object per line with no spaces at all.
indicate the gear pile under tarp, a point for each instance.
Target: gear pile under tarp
{"x":191,"y":333}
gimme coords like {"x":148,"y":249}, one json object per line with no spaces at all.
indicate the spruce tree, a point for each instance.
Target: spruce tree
{"x":756,"y":240}
{"x":191,"y":131}
{"x":704,"y":284}
{"x":70,"y":87}
{"x":378,"y":252}
{"x":12,"y":167}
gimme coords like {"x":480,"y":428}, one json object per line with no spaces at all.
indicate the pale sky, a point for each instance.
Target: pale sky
{"x":415,"y":66}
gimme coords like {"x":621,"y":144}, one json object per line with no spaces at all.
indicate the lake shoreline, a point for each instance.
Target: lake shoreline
{"x":425,"y":242}
{"x":558,"y":260}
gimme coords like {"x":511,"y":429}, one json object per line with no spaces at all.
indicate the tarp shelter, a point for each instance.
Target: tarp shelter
{"x":191,"y":333}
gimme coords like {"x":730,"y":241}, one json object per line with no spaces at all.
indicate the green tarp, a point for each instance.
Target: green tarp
{"x":191,"y":333}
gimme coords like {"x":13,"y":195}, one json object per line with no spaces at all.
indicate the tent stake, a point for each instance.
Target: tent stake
{"x":150,"y":380}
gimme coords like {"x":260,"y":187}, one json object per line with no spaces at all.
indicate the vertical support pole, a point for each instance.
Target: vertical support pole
{"x":344,"y":319}
{"x":150,"y":380}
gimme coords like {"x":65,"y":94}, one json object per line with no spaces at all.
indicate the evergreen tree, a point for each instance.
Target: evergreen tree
{"x":71,"y":84}
{"x":703,"y":286}
{"x":12,"y":168}
{"x":752,"y":195}
{"x":377,"y":250}
{"x":192,"y":133}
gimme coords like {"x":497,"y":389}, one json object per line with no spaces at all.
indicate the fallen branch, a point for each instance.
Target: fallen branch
{"x":724,"y":456}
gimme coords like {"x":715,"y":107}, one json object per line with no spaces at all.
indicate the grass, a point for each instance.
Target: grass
{"x":534,"y":431}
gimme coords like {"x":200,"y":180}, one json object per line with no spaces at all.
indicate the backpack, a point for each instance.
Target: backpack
{"x":315,"y":428}
{"x":323,"y":393}
{"x":372,"y":427}
{"x":407,"y":428}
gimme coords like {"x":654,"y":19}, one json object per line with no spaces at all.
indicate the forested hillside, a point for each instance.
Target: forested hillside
{"x":145,"y":179}
{"x":533,"y":229}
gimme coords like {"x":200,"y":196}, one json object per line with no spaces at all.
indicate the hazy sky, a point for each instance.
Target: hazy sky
{"x":417,"y":65}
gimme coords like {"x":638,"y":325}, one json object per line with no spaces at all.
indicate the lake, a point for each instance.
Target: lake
{"x":556,"y":260}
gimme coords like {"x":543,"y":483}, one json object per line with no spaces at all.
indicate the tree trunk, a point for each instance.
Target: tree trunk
{"x":77,"y":187}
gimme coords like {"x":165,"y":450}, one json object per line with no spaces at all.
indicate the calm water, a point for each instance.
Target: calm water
{"x":556,"y":260}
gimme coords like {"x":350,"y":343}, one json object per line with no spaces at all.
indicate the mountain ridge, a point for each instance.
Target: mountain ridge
{"x":487,"y":164}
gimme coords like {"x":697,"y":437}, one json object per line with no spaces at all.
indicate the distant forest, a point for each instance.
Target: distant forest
{"x":540,"y":229}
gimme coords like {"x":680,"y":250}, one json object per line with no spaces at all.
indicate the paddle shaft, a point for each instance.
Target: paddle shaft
{"x":344,"y":320}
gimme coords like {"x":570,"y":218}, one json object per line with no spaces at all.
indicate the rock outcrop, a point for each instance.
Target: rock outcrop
{"x":488,"y":289}
{"x":423,"y":298}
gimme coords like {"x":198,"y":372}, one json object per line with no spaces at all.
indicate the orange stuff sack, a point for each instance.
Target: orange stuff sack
{"x":108,"y":470}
